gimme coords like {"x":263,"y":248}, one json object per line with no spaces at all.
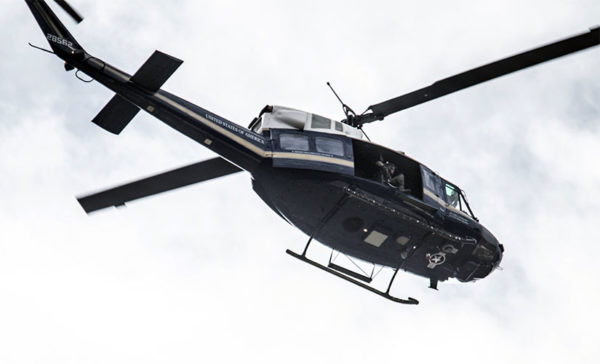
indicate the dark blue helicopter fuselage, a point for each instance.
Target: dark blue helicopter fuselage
{"x":330,"y":192}
{"x":376,"y":223}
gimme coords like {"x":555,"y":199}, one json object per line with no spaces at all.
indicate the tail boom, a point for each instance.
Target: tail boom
{"x":233,"y":142}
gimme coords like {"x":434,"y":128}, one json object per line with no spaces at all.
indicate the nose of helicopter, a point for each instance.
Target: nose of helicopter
{"x":490,"y":240}
{"x":487,"y":255}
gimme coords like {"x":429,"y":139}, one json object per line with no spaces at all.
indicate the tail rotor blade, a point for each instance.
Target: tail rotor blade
{"x":70,"y":10}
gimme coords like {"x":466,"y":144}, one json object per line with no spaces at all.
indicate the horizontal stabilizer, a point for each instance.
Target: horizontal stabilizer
{"x":184,"y":176}
{"x":115,"y":116}
{"x":156,"y":71}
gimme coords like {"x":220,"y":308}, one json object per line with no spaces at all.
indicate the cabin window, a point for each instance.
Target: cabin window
{"x":339,"y":126}
{"x":329,"y":146}
{"x":294,"y":142}
{"x":319,"y":122}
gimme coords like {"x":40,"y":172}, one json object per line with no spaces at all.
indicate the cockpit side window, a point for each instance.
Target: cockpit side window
{"x":432,"y":183}
{"x":428,"y":180}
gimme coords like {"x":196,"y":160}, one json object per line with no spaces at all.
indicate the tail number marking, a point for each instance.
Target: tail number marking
{"x":59,"y":40}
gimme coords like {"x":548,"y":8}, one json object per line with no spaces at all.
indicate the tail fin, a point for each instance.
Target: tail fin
{"x":61,"y":41}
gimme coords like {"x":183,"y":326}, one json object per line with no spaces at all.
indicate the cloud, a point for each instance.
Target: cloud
{"x":200,"y":274}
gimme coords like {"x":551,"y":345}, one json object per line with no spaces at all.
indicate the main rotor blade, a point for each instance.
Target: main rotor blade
{"x":184,"y":176}
{"x":484,"y":73}
{"x":70,"y":10}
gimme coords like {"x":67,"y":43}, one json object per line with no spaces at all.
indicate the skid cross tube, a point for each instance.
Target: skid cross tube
{"x":409,"y":301}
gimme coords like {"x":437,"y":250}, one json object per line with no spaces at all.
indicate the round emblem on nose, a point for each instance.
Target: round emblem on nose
{"x":435,"y":259}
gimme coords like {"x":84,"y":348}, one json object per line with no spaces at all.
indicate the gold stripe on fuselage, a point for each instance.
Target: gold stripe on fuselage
{"x":210,"y":124}
{"x":255,"y":149}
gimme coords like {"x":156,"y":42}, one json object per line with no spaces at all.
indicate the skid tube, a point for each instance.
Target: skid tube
{"x":386,"y":294}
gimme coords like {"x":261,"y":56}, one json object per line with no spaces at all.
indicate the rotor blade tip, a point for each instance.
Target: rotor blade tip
{"x":70,"y":10}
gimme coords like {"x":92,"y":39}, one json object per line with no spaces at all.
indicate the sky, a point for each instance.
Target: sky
{"x":200,"y":274}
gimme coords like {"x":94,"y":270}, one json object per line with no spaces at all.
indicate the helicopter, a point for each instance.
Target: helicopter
{"x":323,"y":176}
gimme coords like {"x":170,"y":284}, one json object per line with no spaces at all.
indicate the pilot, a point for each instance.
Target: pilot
{"x":385,"y":171}
{"x":389,"y":176}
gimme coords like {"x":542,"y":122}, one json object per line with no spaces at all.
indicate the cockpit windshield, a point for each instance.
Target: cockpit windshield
{"x":456,"y":198}
{"x":444,"y":192}
{"x":452,"y":196}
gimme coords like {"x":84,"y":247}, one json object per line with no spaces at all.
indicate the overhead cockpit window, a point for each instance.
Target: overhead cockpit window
{"x":329,"y":146}
{"x":294,"y":142}
{"x":319,"y":122}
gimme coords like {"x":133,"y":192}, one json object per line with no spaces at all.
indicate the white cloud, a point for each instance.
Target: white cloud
{"x":201,"y":275}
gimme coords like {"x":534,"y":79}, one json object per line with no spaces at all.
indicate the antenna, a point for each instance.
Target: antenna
{"x":350,"y":114}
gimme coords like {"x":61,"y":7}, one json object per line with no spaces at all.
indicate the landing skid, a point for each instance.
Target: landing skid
{"x":386,"y":294}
